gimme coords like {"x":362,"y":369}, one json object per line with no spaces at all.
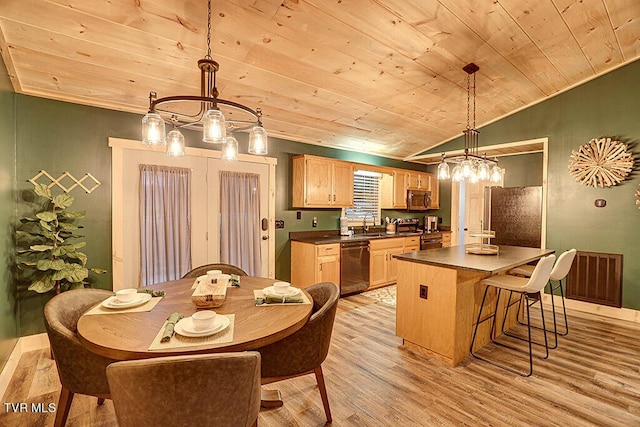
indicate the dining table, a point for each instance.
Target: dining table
{"x":129,"y":335}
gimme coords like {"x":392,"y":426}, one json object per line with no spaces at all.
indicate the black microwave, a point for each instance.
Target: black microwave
{"x":418,"y":200}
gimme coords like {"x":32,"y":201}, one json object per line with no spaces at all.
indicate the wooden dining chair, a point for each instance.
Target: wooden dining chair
{"x":221,"y":389}
{"x":226,"y":269}
{"x":303,"y":352}
{"x":80,"y":370}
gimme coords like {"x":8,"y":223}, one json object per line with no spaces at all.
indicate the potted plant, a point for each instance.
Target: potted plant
{"x":48,"y":246}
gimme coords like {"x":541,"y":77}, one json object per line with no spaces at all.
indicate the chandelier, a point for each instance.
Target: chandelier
{"x":204,"y":113}
{"x":470,"y":165}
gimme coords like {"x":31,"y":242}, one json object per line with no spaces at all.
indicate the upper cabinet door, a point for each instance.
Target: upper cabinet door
{"x":319,"y":182}
{"x":400,"y":183}
{"x":342,"y":184}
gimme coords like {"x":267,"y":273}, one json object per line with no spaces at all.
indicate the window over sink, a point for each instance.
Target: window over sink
{"x":366,"y":198}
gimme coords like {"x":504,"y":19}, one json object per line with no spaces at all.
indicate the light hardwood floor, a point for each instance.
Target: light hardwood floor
{"x":592,"y":379}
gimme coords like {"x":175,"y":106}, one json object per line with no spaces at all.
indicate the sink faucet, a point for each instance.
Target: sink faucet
{"x":365,"y":227}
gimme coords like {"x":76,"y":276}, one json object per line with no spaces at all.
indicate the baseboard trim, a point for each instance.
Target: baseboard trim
{"x":24,"y":345}
{"x":626,"y":314}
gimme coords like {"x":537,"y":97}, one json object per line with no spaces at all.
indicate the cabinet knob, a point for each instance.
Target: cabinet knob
{"x":329,"y":197}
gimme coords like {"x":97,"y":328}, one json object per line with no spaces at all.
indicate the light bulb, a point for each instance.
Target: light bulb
{"x":175,"y":146}
{"x":483,"y":170}
{"x":230,"y":149}
{"x":214,"y":127}
{"x":258,"y":141}
{"x":457,"y":173}
{"x":153,"y":129}
{"x":467,"y":167}
{"x":496,"y":174}
{"x":443,"y":171}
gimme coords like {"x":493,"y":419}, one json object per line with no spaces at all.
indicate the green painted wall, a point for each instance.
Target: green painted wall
{"x":605,"y":107}
{"x":58,"y":137}
{"x":8,"y":304}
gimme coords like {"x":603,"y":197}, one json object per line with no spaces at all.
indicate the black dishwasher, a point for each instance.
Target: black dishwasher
{"x":354,"y":267}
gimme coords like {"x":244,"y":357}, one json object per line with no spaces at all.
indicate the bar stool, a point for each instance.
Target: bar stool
{"x":559,"y":273}
{"x":537,"y":282}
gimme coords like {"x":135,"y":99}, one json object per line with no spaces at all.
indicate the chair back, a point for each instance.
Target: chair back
{"x":307,"y":348}
{"x":80,"y":370}
{"x":226,"y":269}
{"x":221,"y":389}
{"x":563,"y":265}
{"x":540,"y":275}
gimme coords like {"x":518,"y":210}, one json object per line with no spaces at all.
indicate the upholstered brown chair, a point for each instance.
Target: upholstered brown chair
{"x":80,"y":370}
{"x":303,"y":352}
{"x":219,"y":390}
{"x":226,"y":269}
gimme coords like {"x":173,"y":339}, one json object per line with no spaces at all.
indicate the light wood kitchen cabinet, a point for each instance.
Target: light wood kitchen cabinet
{"x":325,"y":260}
{"x":383,"y":267}
{"x":400,"y":184}
{"x":320,"y":182}
{"x":419,"y":181}
{"x":412,"y":244}
{"x":446,"y":239}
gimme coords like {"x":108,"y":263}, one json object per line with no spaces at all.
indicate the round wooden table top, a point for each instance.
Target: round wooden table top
{"x":126,"y":336}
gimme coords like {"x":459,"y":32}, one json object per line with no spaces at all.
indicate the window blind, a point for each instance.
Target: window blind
{"x":366,"y":196}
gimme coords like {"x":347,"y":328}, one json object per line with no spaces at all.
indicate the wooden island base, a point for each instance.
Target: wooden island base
{"x":441,"y":325}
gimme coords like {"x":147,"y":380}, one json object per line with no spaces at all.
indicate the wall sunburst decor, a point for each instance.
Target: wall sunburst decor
{"x":638,"y":196}
{"x":601,"y":163}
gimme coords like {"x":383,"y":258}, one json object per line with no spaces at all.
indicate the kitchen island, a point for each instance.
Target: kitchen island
{"x":439,"y":296}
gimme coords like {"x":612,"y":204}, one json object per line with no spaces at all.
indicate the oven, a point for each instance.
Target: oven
{"x":430,"y":241}
{"x":354,"y":267}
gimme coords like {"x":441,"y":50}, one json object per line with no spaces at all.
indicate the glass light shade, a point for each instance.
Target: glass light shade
{"x":457,"y":173}
{"x":153,"y":129}
{"x":230,"y":149}
{"x":214,"y":127}
{"x":175,"y":146}
{"x":496,"y":174}
{"x":473,"y":178}
{"x":483,"y":171}
{"x":258,"y":141}
{"x":467,"y":167}
{"x":443,"y":171}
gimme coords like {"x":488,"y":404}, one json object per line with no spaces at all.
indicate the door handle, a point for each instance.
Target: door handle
{"x":465,"y":229}
{"x":265,"y":237}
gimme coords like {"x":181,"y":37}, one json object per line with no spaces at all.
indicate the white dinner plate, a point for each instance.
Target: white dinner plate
{"x":185,"y":327}
{"x":271,"y":291}
{"x":113,"y":303}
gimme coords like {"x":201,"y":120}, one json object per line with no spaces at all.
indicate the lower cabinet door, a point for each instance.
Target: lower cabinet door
{"x":378,"y":267}
{"x":329,"y":269}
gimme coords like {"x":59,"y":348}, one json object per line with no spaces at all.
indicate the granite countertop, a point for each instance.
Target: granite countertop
{"x":319,"y":238}
{"x":455,"y":257}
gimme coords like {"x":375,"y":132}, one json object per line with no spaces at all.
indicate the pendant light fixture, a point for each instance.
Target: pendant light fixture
{"x":203,"y":112}
{"x":470,"y":165}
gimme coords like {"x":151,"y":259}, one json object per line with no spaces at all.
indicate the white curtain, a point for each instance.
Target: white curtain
{"x":165,"y":223}
{"x":240,"y":221}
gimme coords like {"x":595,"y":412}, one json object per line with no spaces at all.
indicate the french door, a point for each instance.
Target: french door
{"x":205,"y":221}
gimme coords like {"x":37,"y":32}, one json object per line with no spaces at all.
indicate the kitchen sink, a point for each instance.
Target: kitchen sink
{"x":374,"y":234}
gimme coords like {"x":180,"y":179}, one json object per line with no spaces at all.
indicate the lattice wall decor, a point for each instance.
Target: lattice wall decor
{"x":601,"y":163}
{"x":67,"y":176}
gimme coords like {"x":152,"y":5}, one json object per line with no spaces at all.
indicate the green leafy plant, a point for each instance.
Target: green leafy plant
{"x":48,"y":250}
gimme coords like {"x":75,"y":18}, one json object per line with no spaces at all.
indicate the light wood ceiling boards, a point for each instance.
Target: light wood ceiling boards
{"x":381,"y":76}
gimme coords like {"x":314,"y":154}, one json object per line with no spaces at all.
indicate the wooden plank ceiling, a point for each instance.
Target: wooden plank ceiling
{"x":379,"y":76}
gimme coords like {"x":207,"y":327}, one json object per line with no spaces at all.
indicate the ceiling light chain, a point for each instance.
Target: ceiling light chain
{"x":470,"y":165}
{"x":206,"y":115}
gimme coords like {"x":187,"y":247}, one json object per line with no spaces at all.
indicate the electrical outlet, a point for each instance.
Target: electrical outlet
{"x":279,"y":223}
{"x":298,"y":215}
{"x":424,"y":291}
{"x":315,"y":222}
